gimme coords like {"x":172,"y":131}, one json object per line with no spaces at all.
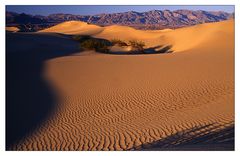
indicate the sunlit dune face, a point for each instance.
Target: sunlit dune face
{"x":12,"y":29}
{"x":121,"y":102}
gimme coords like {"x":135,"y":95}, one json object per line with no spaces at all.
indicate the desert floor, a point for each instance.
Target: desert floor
{"x":61,"y":99}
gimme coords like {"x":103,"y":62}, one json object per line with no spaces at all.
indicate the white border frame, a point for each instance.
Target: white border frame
{"x":119,"y":2}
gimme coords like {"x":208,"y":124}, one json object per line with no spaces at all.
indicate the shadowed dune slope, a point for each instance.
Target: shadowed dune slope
{"x":30,"y":99}
{"x":199,"y":138}
{"x":120,"y":102}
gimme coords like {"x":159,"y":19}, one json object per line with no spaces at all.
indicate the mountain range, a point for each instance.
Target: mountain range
{"x":154,"y":19}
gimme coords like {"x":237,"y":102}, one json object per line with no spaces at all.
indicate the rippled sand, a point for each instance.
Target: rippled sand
{"x":120,"y":102}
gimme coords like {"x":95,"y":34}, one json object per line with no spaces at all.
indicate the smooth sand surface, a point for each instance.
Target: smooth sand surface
{"x":74,"y":27}
{"x":120,"y":102}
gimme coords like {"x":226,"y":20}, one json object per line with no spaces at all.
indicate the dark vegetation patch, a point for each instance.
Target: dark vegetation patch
{"x":119,"y":42}
{"x":90,"y":43}
{"x":102,"y":45}
{"x":138,"y":46}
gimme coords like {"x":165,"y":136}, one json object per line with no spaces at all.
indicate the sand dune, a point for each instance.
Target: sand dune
{"x":74,"y":27}
{"x":12,"y":29}
{"x":181,"y":39}
{"x":119,"y":102}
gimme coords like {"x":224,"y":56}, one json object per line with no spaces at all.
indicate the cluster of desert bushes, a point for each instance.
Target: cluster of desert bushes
{"x":136,"y":45}
{"x":89,"y":43}
{"x":102,"y":45}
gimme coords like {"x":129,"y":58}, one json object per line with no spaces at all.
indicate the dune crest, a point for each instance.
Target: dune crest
{"x":191,"y":37}
{"x":74,"y":27}
{"x":181,"y":39}
{"x":122,"y":102}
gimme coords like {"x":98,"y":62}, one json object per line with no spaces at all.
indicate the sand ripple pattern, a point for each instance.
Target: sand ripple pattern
{"x":110,"y":102}
{"x":124,"y":117}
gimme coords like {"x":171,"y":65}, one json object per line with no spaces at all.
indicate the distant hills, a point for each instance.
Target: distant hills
{"x":155,"y":19}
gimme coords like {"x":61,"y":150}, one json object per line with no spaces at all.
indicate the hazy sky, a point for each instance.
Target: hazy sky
{"x":97,"y":9}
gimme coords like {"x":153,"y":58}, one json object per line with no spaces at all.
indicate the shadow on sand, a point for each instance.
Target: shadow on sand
{"x":29,"y":98}
{"x":200,"y":138}
{"x":102,"y":46}
{"x":161,"y":49}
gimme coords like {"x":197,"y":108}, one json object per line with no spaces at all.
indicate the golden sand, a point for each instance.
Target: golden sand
{"x":118,"y":102}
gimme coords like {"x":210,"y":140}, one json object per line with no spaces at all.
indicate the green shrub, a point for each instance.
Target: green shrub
{"x":137,"y":45}
{"x":95,"y":44}
{"x":118,"y":42}
{"x":89,"y":43}
{"x":102,"y":45}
